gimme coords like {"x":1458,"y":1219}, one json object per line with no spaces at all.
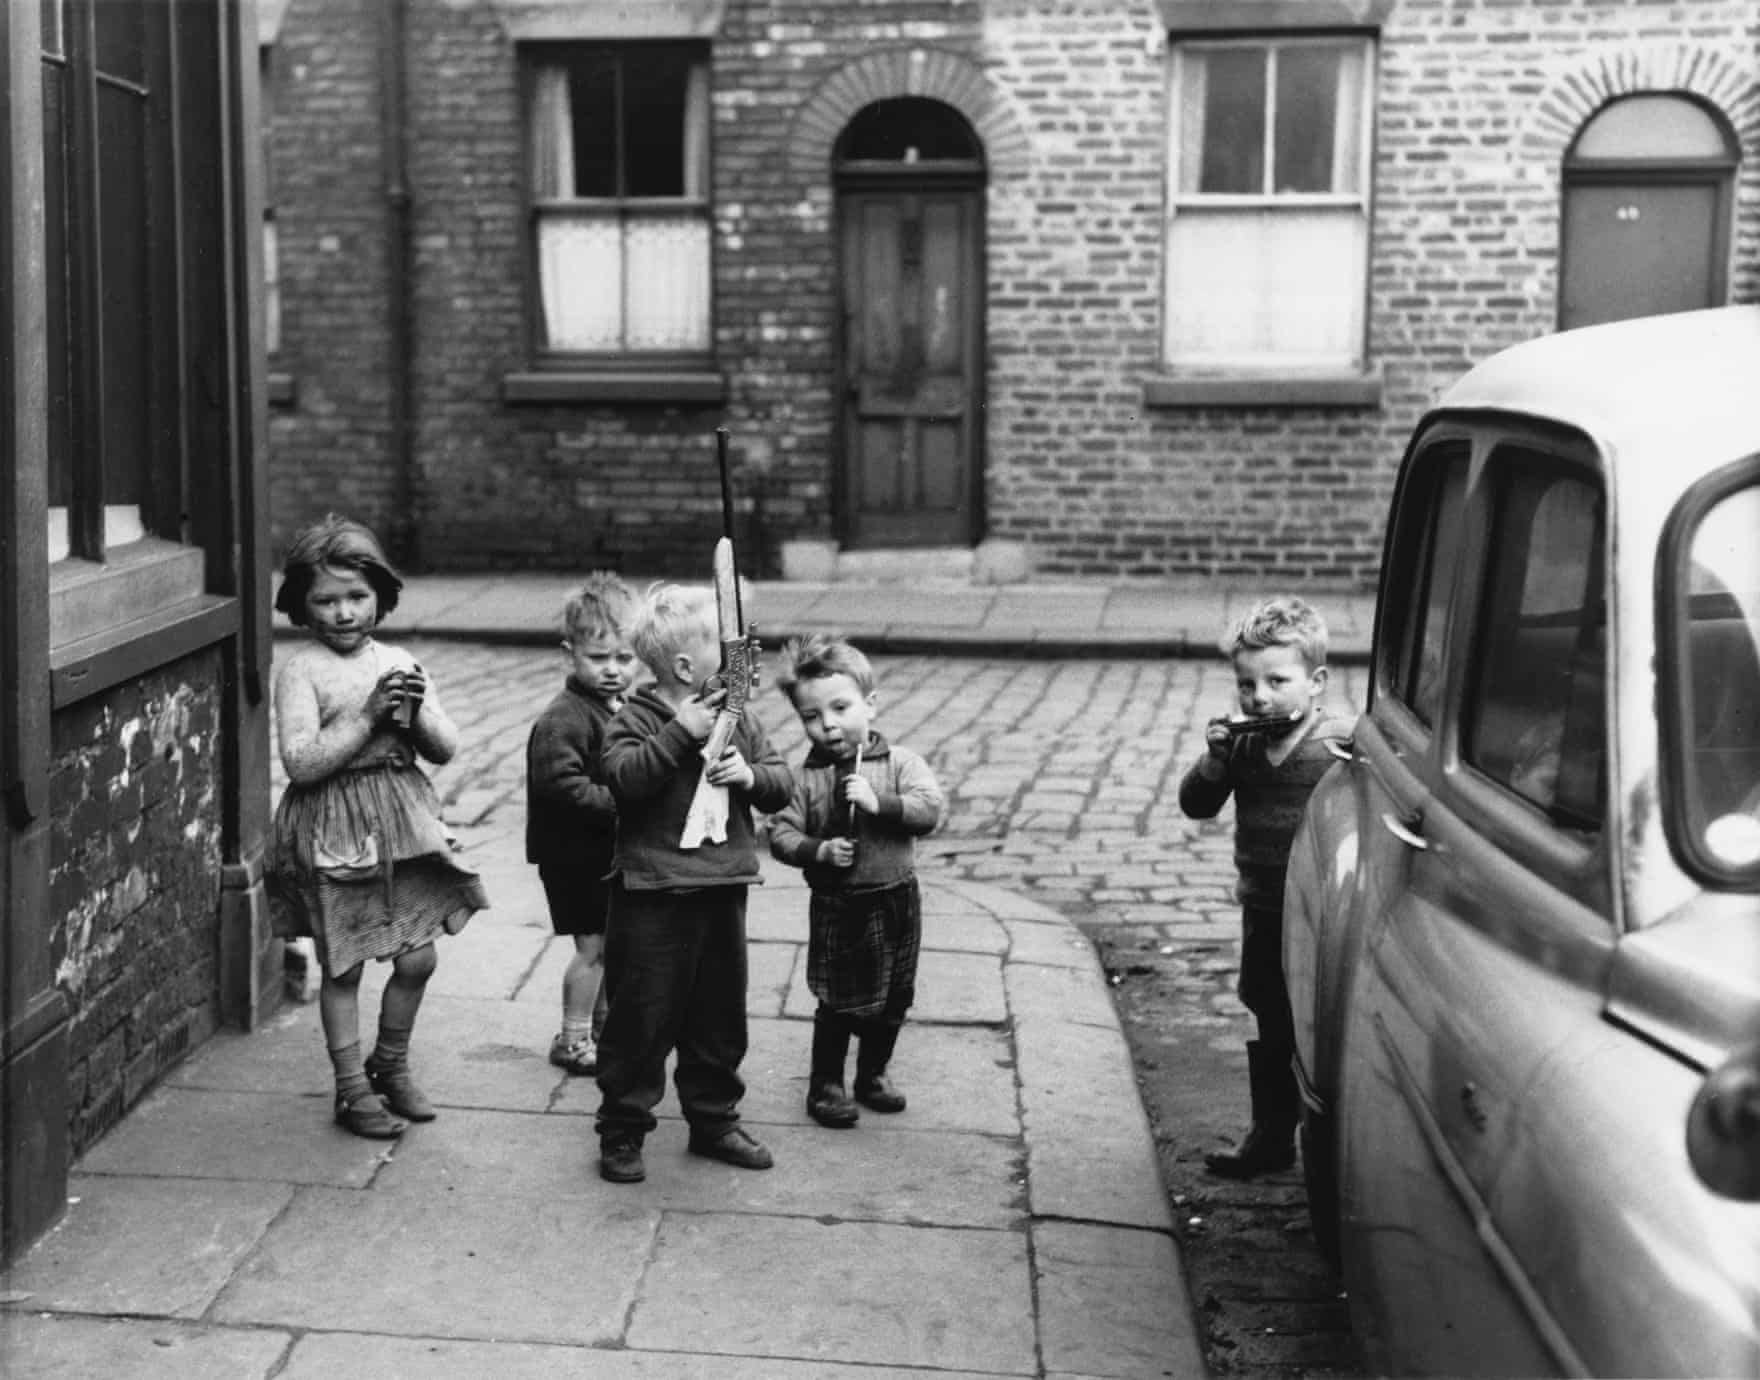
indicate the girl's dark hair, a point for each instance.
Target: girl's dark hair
{"x":342,"y":543}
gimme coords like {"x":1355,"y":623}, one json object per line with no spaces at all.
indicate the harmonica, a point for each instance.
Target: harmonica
{"x":1265,"y":723}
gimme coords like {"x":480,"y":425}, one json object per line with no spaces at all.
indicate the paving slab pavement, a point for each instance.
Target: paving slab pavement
{"x":1140,"y":618}
{"x":1011,"y":1223}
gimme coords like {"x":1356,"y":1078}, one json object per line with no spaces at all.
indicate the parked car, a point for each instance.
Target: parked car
{"x":1522,"y":926}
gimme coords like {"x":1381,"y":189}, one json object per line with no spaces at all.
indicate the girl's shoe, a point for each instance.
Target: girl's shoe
{"x":875,"y":1092}
{"x":365,"y":1115}
{"x":393,"y":1083}
{"x":580,"y":1057}
{"x":829,"y":1105}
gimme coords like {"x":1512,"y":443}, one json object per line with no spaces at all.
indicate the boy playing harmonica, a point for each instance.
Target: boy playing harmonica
{"x":1279,"y":655}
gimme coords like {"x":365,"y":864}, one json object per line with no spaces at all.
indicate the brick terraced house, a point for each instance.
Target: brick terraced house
{"x":1138,"y":287}
{"x":134,"y":643}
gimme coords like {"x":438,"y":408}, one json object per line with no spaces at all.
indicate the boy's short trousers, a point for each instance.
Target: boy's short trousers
{"x":579,"y":898}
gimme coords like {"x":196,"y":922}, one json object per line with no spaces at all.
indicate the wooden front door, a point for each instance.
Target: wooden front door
{"x":1647,"y":186}
{"x":912,"y":308}
{"x":1639,"y":249}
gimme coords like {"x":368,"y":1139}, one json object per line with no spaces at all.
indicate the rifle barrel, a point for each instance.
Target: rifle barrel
{"x":727,"y":513}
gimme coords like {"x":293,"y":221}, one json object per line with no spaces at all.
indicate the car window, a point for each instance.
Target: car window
{"x":1721,"y":728}
{"x":1535,"y":718}
{"x":1426,"y":550}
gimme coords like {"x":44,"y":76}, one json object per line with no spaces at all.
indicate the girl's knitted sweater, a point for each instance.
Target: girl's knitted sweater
{"x":911,"y":804}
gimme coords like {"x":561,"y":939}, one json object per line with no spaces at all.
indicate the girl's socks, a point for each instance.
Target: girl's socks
{"x":392,"y":1049}
{"x":576,"y":1028}
{"x":351,"y":1074}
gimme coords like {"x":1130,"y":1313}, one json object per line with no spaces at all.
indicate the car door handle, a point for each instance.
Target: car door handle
{"x":1403,"y":834}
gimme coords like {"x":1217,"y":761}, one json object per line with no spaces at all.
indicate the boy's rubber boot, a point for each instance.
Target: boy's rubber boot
{"x":873,"y":1090}
{"x":1269,"y":1145}
{"x":827,"y":1102}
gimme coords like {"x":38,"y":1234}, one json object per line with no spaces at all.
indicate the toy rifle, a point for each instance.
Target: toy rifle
{"x":739,"y":647}
{"x":737,"y":675}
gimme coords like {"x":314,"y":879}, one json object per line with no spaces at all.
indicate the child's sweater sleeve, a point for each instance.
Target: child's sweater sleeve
{"x":1202,"y":798}
{"x":640,"y":757}
{"x":916,"y":806}
{"x":772,"y":782}
{"x":789,"y":840}
{"x":559,"y":768}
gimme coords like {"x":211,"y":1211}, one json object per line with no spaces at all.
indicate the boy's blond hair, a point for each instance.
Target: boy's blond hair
{"x":603,"y":606}
{"x":818,"y":655}
{"x":1283,"y":621}
{"x":672,"y":619}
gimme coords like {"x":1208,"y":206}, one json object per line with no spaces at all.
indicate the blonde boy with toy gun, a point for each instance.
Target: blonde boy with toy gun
{"x":687,"y":763}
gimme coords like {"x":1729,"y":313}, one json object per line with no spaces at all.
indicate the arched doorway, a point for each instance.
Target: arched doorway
{"x":909,"y":176}
{"x":1647,"y":189}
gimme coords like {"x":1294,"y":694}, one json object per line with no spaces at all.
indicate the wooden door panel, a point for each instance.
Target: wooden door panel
{"x":939,"y":468}
{"x":1637,"y":250}
{"x":941,"y":310}
{"x":880,"y":473}
{"x":910,"y":296}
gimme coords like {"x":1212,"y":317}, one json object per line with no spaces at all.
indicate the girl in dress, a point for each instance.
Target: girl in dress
{"x":359,"y":858}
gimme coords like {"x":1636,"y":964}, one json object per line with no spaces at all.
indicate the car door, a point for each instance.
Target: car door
{"x":1346,"y":863}
{"x":1647,"y":1266}
{"x":1497,"y":945}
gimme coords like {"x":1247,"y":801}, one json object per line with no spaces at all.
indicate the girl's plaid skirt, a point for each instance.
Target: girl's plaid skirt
{"x":862,"y":949}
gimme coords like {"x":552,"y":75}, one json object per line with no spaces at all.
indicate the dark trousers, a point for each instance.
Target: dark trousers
{"x":1263,"y":991}
{"x":676,"y":965}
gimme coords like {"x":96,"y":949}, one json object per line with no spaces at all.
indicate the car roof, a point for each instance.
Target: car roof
{"x":1682,"y":390}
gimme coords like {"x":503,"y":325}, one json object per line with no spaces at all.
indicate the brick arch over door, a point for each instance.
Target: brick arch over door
{"x":929,"y":72}
{"x":1589,"y":83}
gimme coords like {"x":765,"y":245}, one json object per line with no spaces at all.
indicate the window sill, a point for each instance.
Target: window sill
{"x":80,"y":669}
{"x":1245,"y":16}
{"x":1264,"y":390}
{"x":597,"y":386}
{"x":141,"y":608}
{"x":282,"y":390}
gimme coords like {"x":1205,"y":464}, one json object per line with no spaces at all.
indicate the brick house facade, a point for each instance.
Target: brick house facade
{"x":1107,"y":420}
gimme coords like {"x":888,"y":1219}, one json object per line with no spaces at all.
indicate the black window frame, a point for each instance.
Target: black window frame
{"x":1511,"y":458}
{"x":1675,"y":668}
{"x":1441,"y":460}
{"x":112,"y":610}
{"x":538,"y":55}
{"x":89,"y":300}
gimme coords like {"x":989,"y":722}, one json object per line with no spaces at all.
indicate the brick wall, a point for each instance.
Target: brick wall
{"x":135,"y":879}
{"x":1475,"y":106}
{"x":326,"y":179}
{"x":1464,"y":233}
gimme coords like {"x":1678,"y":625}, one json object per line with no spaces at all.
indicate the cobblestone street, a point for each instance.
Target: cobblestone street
{"x":1062,"y":779}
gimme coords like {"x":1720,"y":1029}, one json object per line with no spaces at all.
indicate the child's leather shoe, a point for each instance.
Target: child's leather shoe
{"x":875,"y":1092}
{"x":393,"y":1083}
{"x":829,"y":1105}
{"x":578,"y":1057}
{"x":733,"y":1146}
{"x":365,"y":1115}
{"x":620,"y":1159}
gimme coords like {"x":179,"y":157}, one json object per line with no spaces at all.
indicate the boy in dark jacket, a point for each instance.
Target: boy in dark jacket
{"x":676,"y":944}
{"x":571,"y":818}
{"x":1279,"y":655}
